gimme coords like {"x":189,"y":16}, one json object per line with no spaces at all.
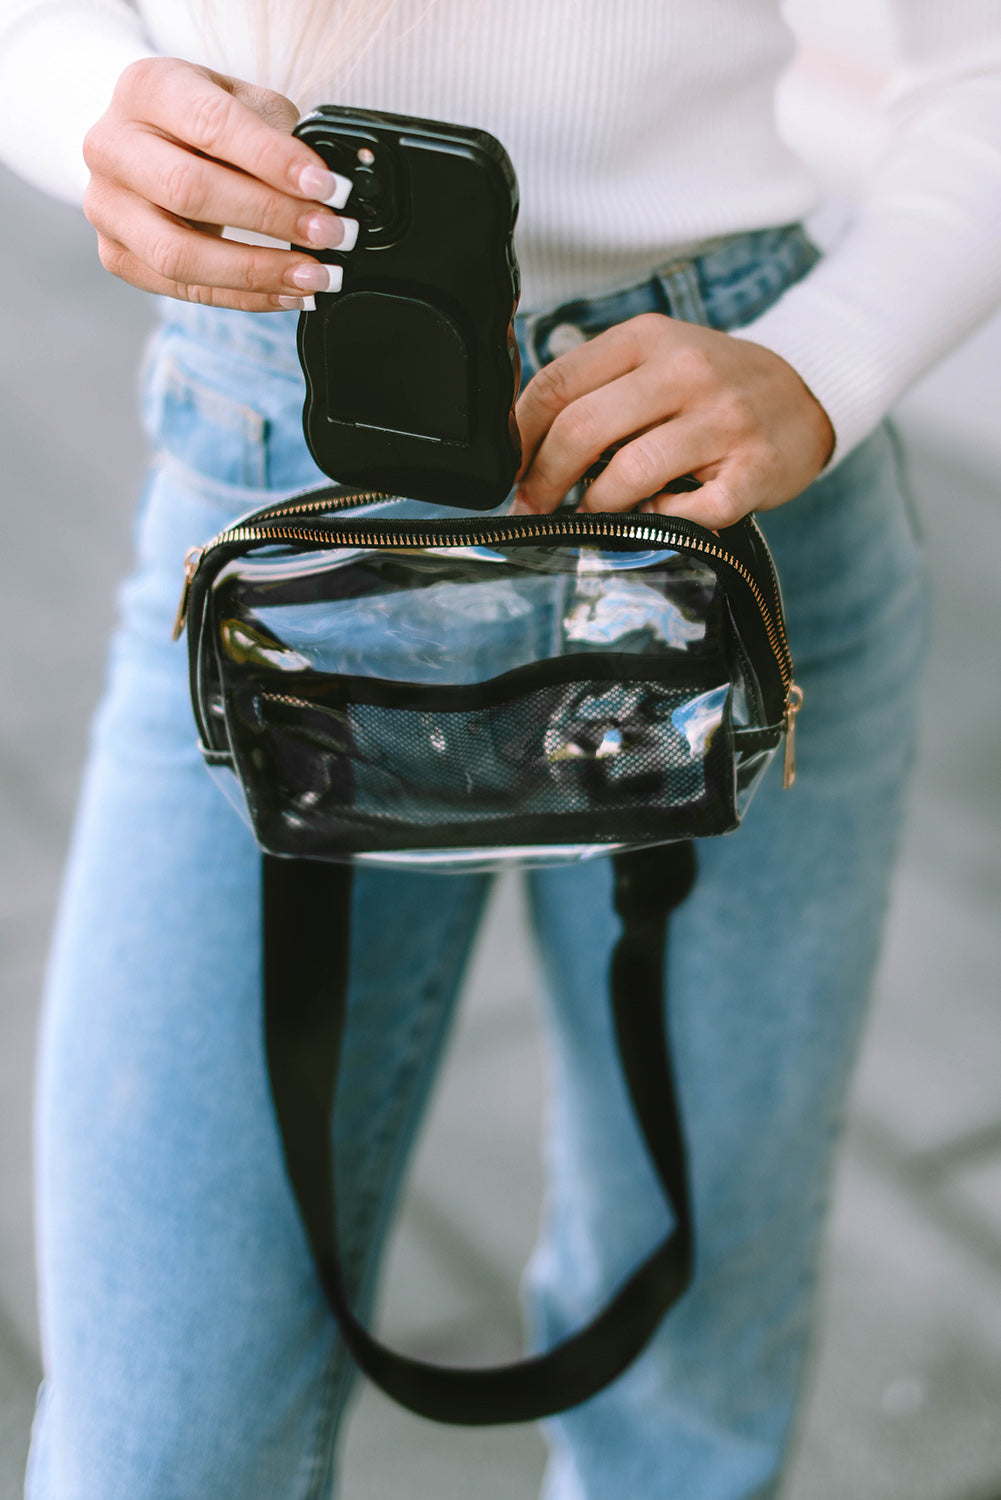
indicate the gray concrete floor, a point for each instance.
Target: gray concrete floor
{"x":906,"y":1388}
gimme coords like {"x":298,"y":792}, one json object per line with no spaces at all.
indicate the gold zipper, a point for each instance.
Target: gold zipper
{"x":332,"y":502}
{"x":193,"y":558}
{"x":586,"y":526}
{"x":192,"y":561}
{"x":794,"y":702}
{"x":596,"y":526}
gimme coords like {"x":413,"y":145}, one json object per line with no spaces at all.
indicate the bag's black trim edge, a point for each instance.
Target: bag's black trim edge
{"x":324,"y":690}
{"x":367,"y":835}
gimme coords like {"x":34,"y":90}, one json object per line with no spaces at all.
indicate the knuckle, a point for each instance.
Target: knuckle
{"x":693,"y":366}
{"x":138,"y":76}
{"x":734,"y":413}
{"x":167,"y":258}
{"x":252,"y":274}
{"x":636,"y":468}
{"x":551,"y":387}
{"x":723,"y":509}
{"x":94,"y":147}
{"x":110,"y":254}
{"x":93,"y":200}
{"x":249,"y":275}
{"x":210,"y":115}
{"x":575,"y":428}
{"x":276,"y":213}
{"x":202,"y":295}
{"x":648,"y":325}
{"x":273,"y":157}
{"x":182,"y":188}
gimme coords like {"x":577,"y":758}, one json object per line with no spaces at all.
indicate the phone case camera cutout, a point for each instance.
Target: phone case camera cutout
{"x":412,"y":368}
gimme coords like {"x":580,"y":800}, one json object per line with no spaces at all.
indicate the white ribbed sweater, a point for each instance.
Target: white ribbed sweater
{"x":638,"y":128}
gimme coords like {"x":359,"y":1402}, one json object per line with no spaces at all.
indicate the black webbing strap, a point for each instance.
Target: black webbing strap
{"x":307,"y":911}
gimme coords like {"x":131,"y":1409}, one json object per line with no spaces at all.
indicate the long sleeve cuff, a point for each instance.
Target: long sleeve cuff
{"x":59,"y":63}
{"x":916,"y":272}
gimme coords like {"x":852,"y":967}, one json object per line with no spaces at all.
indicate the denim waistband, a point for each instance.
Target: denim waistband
{"x":730,"y":283}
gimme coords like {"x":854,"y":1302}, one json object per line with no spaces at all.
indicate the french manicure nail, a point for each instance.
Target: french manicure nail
{"x":309,"y":304}
{"x":350,"y":239}
{"x":329,"y":233}
{"x":341,"y":192}
{"x":314,"y":277}
{"x":293,"y":304}
{"x":326,"y":187}
{"x":317,"y":182}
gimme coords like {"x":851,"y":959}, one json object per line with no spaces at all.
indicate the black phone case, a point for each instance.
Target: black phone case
{"x":412,"y":368}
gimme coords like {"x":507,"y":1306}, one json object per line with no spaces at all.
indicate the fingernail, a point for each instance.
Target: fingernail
{"x":350,"y":239}
{"x":326,"y":187}
{"x":293,"y":304}
{"x":327,"y":232}
{"x":341,"y":193}
{"x":311,"y":276}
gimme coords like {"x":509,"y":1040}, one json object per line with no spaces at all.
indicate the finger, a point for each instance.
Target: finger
{"x":176,"y":253}
{"x":207,"y":192}
{"x":641,"y":468}
{"x":196,"y":107}
{"x":594,"y":364}
{"x":722,"y":501}
{"x":122,"y":263}
{"x":582,"y":431}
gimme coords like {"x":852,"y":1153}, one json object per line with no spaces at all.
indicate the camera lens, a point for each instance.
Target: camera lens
{"x":367,"y":186}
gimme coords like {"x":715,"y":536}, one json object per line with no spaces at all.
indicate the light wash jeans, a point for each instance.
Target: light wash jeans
{"x":189,"y":1353}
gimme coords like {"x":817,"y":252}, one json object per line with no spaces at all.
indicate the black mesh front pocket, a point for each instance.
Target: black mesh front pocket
{"x":582,"y":749}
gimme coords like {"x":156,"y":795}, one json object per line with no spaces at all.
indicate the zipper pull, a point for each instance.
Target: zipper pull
{"x":794,"y":702}
{"x":191,"y":563}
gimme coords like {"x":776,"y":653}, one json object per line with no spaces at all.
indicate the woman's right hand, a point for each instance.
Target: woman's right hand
{"x":182,"y":151}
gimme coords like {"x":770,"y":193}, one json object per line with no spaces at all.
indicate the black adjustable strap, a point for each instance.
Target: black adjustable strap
{"x":307,"y":912}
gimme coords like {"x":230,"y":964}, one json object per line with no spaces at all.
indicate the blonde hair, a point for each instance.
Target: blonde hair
{"x":311,"y":56}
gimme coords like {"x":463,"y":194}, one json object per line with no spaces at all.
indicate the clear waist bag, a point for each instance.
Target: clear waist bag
{"x":449,"y":692}
{"x":452,"y":693}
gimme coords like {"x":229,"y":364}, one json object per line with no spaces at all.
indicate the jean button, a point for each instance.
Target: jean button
{"x":564,"y":337}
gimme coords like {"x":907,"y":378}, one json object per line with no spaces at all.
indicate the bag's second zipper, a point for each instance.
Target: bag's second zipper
{"x":567,"y":527}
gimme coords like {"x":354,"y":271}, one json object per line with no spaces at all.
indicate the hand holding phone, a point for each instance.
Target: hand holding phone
{"x":411,"y":364}
{"x":182,"y":151}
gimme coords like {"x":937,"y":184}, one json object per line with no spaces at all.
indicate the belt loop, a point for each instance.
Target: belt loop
{"x":679,"y":281}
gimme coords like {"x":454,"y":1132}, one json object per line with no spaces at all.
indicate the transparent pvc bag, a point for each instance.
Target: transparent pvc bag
{"x":466,"y":693}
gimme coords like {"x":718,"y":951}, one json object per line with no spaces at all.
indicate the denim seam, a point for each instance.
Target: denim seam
{"x":316,"y":1462}
{"x":214,"y":405}
{"x":251,"y":343}
{"x":220,"y":491}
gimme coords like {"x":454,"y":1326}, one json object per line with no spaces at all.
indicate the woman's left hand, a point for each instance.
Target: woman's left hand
{"x":681,"y":399}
